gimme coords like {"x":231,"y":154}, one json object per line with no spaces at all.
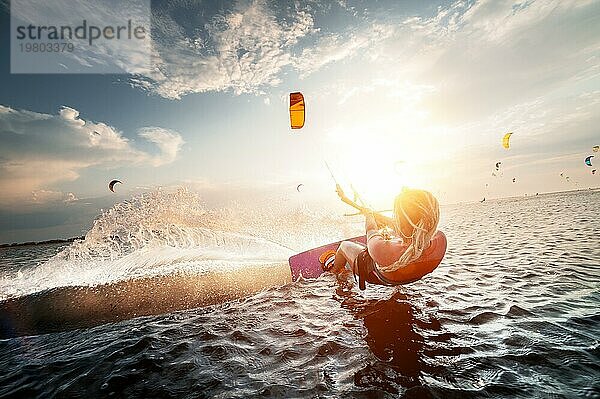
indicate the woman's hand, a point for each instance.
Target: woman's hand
{"x":340,"y":191}
{"x":368,"y":212}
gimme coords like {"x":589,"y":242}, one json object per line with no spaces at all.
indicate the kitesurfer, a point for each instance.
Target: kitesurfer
{"x":387,"y":258}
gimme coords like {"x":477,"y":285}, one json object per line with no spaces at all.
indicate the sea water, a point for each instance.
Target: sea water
{"x":513,"y":310}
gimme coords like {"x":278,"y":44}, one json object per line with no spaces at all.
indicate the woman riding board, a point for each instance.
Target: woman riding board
{"x":416,"y":249}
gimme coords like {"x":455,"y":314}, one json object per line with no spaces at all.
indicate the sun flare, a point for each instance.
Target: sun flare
{"x":386,"y":165}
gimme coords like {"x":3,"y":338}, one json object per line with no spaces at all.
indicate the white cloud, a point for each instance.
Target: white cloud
{"x":48,"y":196}
{"x":168,"y":142}
{"x":337,"y":47}
{"x":70,"y":197}
{"x":71,"y":115}
{"x":39,"y":150}
{"x":467,"y":48}
{"x":484,"y":56}
{"x":239,"y":50}
{"x":43,"y":196}
{"x":247,"y":48}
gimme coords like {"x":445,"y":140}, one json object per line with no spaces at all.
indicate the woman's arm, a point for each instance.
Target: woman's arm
{"x":384,"y":220}
{"x":370,"y":222}
{"x":379,"y":218}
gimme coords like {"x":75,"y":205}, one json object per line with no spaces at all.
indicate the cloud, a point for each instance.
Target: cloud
{"x":487,"y":55}
{"x":247,"y":48}
{"x":337,"y":47}
{"x":478,"y":54}
{"x":46,"y":196}
{"x":168,"y":142}
{"x":43,"y":196}
{"x":39,"y":150}
{"x":70,"y":197}
{"x":241,"y":49}
{"x":71,"y":115}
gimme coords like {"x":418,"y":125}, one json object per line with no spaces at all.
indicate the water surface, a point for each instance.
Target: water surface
{"x":513,"y":311}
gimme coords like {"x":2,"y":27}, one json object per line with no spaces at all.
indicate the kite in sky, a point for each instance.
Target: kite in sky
{"x":111,"y":185}
{"x":506,"y":140}
{"x":296,"y":110}
{"x":588,"y":160}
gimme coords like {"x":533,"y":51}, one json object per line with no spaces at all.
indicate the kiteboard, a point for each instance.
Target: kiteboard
{"x":312,"y":263}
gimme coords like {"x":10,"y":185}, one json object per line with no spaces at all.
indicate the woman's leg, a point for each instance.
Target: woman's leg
{"x":347,"y":252}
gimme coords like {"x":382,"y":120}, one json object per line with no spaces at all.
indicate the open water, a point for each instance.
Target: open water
{"x":513,"y":310}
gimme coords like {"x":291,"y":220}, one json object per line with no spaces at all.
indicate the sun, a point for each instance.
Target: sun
{"x":380,"y":183}
{"x":384,"y":144}
{"x":377,"y":168}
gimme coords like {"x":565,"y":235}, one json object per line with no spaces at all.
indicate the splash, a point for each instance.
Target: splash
{"x":175,"y":219}
{"x":178,"y":219}
{"x":172,"y":231}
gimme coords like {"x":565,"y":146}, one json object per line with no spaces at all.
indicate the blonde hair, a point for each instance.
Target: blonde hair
{"x":425,"y":211}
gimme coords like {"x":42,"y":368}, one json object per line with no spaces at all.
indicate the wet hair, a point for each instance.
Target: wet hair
{"x":419,"y":212}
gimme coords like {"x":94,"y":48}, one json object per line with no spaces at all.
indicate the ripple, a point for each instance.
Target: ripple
{"x":484,"y":317}
{"x":517,"y":311}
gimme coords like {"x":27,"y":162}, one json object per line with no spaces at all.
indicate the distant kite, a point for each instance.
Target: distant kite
{"x":596,"y":148}
{"x":497,"y":172}
{"x":506,"y":140}
{"x":296,"y":110}
{"x":111,"y":185}
{"x":588,"y":160}
{"x":298,"y":187}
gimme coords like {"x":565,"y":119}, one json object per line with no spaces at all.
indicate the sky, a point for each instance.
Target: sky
{"x":398,"y":93}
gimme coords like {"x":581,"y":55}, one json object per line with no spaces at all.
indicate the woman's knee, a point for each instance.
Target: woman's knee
{"x":344,"y":245}
{"x":350,"y":249}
